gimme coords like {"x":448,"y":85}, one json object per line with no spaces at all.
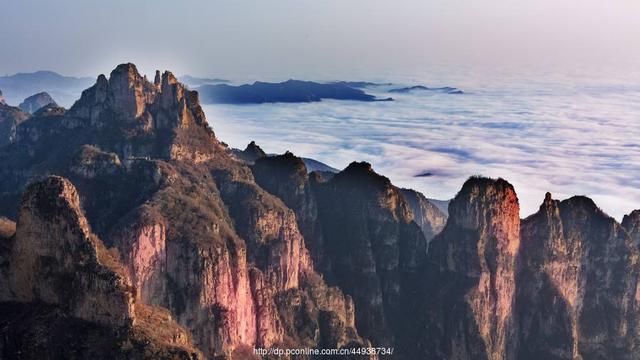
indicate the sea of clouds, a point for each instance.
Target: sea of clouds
{"x":565,"y":136}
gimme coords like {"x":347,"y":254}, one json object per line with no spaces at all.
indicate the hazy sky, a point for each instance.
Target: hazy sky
{"x":318,"y":38}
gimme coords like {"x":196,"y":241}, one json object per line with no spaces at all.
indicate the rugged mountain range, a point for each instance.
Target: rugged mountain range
{"x":134,"y":232}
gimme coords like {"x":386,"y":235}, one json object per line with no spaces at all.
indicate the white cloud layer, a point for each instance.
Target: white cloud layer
{"x":566,"y":136}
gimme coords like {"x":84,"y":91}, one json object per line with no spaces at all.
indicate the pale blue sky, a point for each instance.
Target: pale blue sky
{"x":313,"y":39}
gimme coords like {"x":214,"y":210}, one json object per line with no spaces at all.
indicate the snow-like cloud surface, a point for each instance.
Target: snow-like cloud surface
{"x":563,"y":138}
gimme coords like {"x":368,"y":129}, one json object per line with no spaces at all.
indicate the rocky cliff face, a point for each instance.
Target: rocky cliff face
{"x":251,"y":153}
{"x":472,"y":267}
{"x":363,"y":236}
{"x":578,"y":281}
{"x":35,"y":102}
{"x":286,"y":177}
{"x":56,"y":263}
{"x":140,"y":119}
{"x":193,"y":231}
{"x":427,"y":215}
{"x":10,"y":118}
{"x":631,"y":223}
{"x":375,"y":248}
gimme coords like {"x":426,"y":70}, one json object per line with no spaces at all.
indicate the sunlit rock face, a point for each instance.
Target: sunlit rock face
{"x":577,"y":283}
{"x":55,"y":262}
{"x":194,"y":233}
{"x":162,"y":120}
{"x":286,"y":177}
{"x":471,"y":274}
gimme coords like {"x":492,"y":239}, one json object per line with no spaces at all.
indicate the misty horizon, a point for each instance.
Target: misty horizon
{"x":320,"y":40}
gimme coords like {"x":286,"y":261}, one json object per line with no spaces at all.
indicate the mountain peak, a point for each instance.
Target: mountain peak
{"x":35,"y":102}
{"x":475,"y":255}
{"x":362,"y":166}
{"x":363,"y":171}
{"x":254,"y":151}
{"x":126,"y":68}
{"x":157,"y":80}
{"x":52,"y":225}
{"x":159,"y":111}
{"x":481,"y":198}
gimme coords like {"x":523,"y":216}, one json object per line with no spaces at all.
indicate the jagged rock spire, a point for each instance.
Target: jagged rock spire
{"x":165,"y":112}
{"x":157,"y":80}
{"x":79,"y":271}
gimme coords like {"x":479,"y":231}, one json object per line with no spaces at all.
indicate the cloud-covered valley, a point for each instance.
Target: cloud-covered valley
{"x":567,"y":138}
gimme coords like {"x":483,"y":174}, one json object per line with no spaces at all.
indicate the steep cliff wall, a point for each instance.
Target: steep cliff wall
{"x":471,"y":275}
{"x":194,"y":232}
{"x":60,"y":275}
{"x":577,"y":283}
{"x":375,"y":249}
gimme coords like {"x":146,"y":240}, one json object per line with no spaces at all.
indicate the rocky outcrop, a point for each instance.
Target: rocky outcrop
{"x":376,"y":249}
{"x":10,"y":118}
{"x":631,"y":223}
{"x":35,"y":102}
{"x":90,"y":162}
{"x":577,"y":283}
{"x":250,"y":154}
{"x":426,"y":214}
{"x":282,"y":268}
{"x":56,"y":259}
{"x":471,"y":275}
{"x":1,"y":98}
{"x":161,"y":120}
{"x":286,"y":177}
{"x":359,"y":219}
{"x":50,"y":110}
{"x":55,"y":262}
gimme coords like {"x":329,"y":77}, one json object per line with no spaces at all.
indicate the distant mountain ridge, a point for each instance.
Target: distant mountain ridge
{"x":194,"y":81}
{"x":63,"y":88}
{"x":290,"y":91}
{"x":36,"y":102}
{"x":443,"y":90}
{"x":66,"y":89}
